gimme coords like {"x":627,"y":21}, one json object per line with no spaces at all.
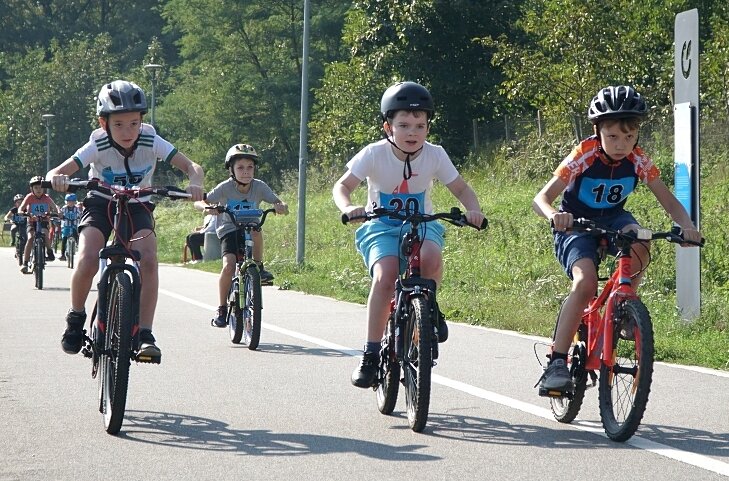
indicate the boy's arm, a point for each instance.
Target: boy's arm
{"x":342,"y":194}
{"x":194,"y":173}
{"x":675,"y":209}
{"x":542,"y":204}
{"x":465,"y":194}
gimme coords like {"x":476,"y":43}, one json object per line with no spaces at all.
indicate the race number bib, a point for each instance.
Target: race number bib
{"x":404,"y":203}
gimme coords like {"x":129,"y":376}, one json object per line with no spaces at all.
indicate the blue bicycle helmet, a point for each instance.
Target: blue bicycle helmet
{"x":70,"y":198}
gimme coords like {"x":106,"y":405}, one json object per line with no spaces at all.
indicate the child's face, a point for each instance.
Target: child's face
{"x":244,"y":169}
{"x":618,"y":141}
{"x":408,"y":129}
{"x":37,"y":190}
{"x":124,"y":127}
{"x":70,"y":203}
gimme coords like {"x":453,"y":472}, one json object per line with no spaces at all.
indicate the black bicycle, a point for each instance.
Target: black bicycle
{"x":114,"y":324}
{"x":21,"y":236}
{"x":38,"y":252}
{"x":410,"y":342}
{"x":245,"y":300}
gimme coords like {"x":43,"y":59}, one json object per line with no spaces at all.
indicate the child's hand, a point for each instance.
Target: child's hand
{"x":474,"y":217}
{"x":692,"y":235}
{"x":281,"y":208}
{"x":354,"y":211}
{"x":561,"y":221}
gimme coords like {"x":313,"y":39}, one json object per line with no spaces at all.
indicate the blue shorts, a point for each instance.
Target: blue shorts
{"x":375,"y":240}
{"x":569,"y":247}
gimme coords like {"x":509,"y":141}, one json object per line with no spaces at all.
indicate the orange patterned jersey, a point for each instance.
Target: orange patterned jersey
{"x":596,"y":186}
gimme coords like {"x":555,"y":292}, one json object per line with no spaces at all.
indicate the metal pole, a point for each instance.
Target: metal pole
{"x":303,"y":140}
{"x":47,"y":119}
{"x":152,"y":68}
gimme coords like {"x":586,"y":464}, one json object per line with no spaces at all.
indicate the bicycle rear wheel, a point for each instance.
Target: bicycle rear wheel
{"x":252,"y":307}
{"x":565,"y":409}
{"x":389,"y":372}
{"x":116,"y":356}
{"x":20,"y":248}
{"x":418,"y":362}
{"x":624,"y":387}
{"x":39,"y":263}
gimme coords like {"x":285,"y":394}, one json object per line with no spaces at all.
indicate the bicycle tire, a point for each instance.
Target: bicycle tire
{"x":418,"y":362}
{"x":625,"y":387}
{"x":566,"y":409}
{"x":235,"y":313}
{"x":252,"y":306}
{"x":40,"y":261}
{"x":389,"y":372}
{"x":20,"y":248}
{"x":70,"y":251}
{"x":116,"y":357}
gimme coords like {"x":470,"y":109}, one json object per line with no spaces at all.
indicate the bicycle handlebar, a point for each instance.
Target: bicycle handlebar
{"x":455,"y":217}
{"x":171,"y":192}
{"x":674,"y":235}
{"x":262,"y":213}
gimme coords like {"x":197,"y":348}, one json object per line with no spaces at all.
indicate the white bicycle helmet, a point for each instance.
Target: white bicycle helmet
{"x":120,"y":96}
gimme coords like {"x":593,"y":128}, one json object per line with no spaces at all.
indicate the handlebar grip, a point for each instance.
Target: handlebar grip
{"x":46,"y":184}
{"x":484,"y":223}
{"x":346,"y":219}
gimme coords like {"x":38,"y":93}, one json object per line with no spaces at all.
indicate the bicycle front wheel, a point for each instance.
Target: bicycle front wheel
{"x":116,"y":356}
{"x":235,"y":314}
{"x":252,"y":307}
{"x":70,"y":251}
{"x":418,"y":362}
{"x":625,"y":386}
{"x":40,"y":261}
{"x":389,"y":372}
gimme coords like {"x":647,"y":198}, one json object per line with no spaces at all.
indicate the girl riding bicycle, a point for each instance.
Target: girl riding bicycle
{"x":37,"y":203}
{"x":399,"y":170}
{"x":124,"y":151}
{"x":595,"y":181}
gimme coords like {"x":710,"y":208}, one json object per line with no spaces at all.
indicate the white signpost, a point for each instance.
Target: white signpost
{"x":686,"y":155}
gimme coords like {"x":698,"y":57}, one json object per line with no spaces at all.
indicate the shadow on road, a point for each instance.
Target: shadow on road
{"x":192,"y":432}
{"x":294,"y":350}
{"x":687,"y":439}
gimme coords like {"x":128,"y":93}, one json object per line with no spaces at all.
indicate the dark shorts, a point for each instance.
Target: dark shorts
{"x":30,"y":228}
{"x":100,"y":213}
{"x":232,"y":243}
{"x":570,"y":247}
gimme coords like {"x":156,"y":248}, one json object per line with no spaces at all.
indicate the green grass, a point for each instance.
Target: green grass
{"x":506,"y":277}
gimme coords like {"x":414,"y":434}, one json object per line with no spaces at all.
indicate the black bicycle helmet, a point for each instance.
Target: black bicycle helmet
{"x":406,"y":96}
{"x":35,"y":180}
{"x":120,"y":96}
{"x":616,"y":102}
{"x":240,"y":150}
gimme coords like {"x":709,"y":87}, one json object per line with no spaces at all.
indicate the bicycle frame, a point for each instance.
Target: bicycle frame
{"x":600,"y":327}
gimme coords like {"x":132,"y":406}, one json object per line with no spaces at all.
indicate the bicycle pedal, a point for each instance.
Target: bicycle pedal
{"x":147,"y":359}
{"x":552,"y":393}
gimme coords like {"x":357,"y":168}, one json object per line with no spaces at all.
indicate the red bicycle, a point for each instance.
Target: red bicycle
{"x":615,"y":338}
{"x":410,"y":342}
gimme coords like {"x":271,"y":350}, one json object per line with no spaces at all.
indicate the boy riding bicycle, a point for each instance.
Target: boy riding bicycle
{"x":399,"y":170}
{"x":37,"y":204}
{"x":18,"y":221}
{"x":595,"y":180}
{"x":123,"y":151}
{"x":70,"y":215}
{"x":240,"y":192}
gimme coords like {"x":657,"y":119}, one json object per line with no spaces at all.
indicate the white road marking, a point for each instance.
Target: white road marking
{"x":686,"y":457}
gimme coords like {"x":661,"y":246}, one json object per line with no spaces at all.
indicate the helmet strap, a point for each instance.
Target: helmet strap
{"x":232,"y":176}
{"x":407,"y":169}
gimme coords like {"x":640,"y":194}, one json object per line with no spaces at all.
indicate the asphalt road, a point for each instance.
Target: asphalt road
{"x":214,"y":410}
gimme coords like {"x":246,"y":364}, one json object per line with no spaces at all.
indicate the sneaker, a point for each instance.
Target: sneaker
{"x":366,"y":373}
{"x":266,"y":277}
{"x":220,"y":319}
{"x":73,"y":336}
{"x":62,"y":258}
{"x":557,"y":378}
{"x":50,"y":256}
{"x":148,"y":350}
{"x":24,"y":268}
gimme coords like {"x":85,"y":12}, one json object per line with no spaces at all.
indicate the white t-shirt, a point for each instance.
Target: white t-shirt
{"x":386,"y":186}
{"x":107,"y":163}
